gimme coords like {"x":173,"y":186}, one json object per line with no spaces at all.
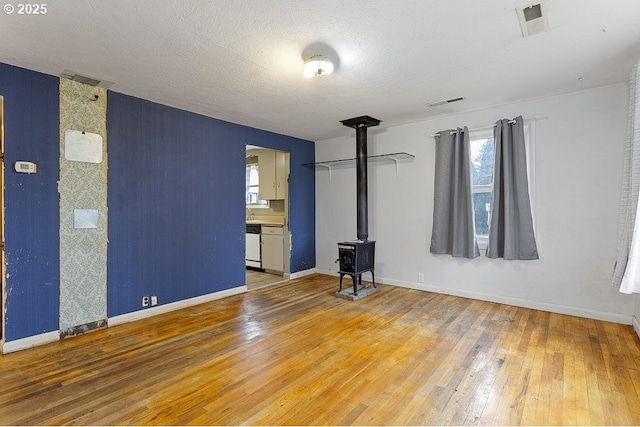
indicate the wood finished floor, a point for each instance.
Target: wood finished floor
{"x":296,"y":354}
{"x":257,"y":279}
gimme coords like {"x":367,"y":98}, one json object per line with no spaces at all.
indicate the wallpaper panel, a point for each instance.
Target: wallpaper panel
{"x":83,"y":252}
{"x":31,"y":122}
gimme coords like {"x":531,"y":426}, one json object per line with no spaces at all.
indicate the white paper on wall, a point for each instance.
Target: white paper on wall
{"x":82,"y":146}
{"x":85,"y":218}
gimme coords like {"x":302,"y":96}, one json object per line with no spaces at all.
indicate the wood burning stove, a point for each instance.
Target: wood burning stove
{"x":358,"y":257}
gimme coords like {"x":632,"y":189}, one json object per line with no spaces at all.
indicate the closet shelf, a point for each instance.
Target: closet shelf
{"x":394,"y":157}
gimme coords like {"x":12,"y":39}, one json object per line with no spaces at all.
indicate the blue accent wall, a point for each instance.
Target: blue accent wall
{"x":176,"y":202}
{"x":31,"y":130}
{"x":175,"y":197}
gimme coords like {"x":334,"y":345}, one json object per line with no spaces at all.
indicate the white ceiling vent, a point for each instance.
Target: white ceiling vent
{"x":86,"y":80}
{"x":532,"y":19}
{"x":446,"y":101}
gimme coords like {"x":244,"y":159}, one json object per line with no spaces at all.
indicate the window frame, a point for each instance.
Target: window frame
{"x":266,"y":203}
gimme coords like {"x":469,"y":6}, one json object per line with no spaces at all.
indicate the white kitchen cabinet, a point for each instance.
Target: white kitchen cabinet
{"x":273,"y":248}
{"x":272,"y":170}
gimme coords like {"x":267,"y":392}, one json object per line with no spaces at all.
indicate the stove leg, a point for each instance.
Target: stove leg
{"x":357,"y":280}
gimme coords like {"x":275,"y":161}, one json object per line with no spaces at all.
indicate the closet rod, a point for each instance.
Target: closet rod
{"x":472,"y":130}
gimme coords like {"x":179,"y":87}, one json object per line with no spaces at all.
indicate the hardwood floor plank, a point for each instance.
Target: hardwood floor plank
{"x":295,"y":354}
{"x":257,"y":279}
{"x":504,"y":391}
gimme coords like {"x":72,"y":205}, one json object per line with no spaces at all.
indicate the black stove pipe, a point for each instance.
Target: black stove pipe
{"x":362,"y":202}
{"x":360,"y":124}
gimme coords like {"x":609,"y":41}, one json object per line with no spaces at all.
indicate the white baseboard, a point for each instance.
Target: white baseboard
{"x":299,"y":274}
{"x":518,"y":302}
{"x":326,"y":271}
{"x":165,"y":308}
{"x":48,"y":337}
{"x":32,"y":341}
{"x":636,"y":325}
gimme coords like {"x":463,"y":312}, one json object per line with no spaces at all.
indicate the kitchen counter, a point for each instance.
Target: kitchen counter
{"x":272,"y":221}
{"x":268,"y":223}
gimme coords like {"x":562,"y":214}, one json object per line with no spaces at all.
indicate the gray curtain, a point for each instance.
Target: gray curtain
{"x":511,"y":226}
{"x":453,"y":226}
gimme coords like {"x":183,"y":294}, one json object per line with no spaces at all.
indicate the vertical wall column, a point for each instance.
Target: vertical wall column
{"x":82,"y":186}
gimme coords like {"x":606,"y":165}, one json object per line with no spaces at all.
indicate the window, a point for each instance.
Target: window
{"x":253,"y":186}
{"x":482,"y":181}
{"x":482,"y":150}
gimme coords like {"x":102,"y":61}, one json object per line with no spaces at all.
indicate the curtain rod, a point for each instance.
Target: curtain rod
{"x":477,"y":129}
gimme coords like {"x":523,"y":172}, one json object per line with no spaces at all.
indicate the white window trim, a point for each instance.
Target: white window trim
{"x":530,"y":145}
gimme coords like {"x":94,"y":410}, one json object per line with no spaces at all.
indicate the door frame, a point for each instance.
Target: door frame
{"x":2,"y":258}
{"x":287,"y":211}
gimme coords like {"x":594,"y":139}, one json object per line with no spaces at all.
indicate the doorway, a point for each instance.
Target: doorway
{"x":267,"y":214}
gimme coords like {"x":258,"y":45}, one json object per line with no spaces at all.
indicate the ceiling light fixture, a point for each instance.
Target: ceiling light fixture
{"x":317,"y":66}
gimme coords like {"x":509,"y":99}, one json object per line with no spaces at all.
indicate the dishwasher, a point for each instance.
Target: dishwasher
{"x":252,"y":249}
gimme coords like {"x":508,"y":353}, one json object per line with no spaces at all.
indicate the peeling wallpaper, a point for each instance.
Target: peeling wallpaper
{"x":82,"y":185}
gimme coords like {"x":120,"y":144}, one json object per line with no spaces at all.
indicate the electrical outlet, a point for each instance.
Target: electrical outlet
{"x":145,"y":301}
{"x":154,"y":300}
{"x":421,"y":278}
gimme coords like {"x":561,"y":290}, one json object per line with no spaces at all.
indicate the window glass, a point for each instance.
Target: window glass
{"x":482,"y":181}
{"x":482,"y":211}
{"x":482,"y":161}
{"x":253,"y":186}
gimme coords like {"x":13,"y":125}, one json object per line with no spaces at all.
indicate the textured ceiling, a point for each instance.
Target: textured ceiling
{"x":241,"y":60}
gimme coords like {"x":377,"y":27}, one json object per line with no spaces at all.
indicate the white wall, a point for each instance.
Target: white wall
{"x":636,"y":317}
{"x":578,"y":167}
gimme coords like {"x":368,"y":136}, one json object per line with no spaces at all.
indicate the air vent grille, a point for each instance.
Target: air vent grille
{"x":532,"y":12}
{"x":532,"y":19}
{"x":446,"y":101}
{"x":85,"y":80}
